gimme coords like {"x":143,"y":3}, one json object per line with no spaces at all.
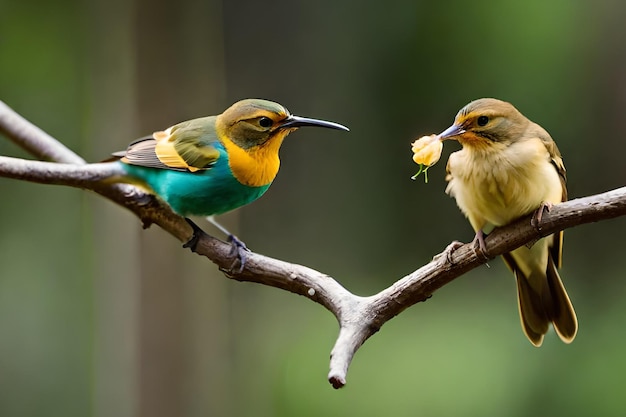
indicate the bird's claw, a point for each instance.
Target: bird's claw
{"x":447,"y":252}
{"x":192,"y":243}
{"x":238,"y":251}
{"x":536,"y":219}
{"x":480,"y":249}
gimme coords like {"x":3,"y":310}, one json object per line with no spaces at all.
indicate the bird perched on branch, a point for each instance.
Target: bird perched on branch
{"x":214,"y":164}
{"x":510,"y":167}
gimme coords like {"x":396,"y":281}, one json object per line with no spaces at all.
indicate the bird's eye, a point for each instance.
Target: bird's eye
{"x":482,"y":120}
{"x":265,"y":122}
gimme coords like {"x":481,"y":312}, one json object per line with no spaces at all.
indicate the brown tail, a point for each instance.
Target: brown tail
{"x":542,"y":299}
{"x":532,"y":311}
{"x":562,"y":315}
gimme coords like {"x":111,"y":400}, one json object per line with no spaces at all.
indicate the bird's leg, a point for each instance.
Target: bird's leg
{"x":238,"y":249}
{"x":192,"y":243}
{"x":536,"y":219}
{"x":480,"y":249}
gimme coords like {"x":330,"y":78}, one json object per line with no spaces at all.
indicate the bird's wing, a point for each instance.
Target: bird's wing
{"x":142,"y":152}
{"x":557,"y":161}
{"x":189,"y":146}
{"x":534,"y":130}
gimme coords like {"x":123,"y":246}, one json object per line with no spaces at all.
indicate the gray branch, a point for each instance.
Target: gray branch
{"x":34,"y":140}
{"x":358,"y":317}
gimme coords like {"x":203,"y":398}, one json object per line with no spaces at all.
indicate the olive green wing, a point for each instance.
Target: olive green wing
{"x":188,"y":146}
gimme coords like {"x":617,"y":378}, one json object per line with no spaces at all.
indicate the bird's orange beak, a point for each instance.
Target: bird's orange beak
{"x":451,"y":132}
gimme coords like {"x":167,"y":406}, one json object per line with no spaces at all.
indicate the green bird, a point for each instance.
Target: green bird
{"x":215,"y":164}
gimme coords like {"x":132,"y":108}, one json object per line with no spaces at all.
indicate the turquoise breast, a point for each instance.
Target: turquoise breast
{"x":203,"y":193}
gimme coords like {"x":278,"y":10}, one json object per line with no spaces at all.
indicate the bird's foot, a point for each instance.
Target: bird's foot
{"x":480,"y":249}
{"x":536,"y":219}
{"x":447,"y":252}
{"x":238,"y":251}
{"x":192,"y":243}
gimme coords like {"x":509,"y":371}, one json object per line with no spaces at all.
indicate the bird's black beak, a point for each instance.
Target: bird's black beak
{"x":296,"y":121}
{"x":452,"y":131}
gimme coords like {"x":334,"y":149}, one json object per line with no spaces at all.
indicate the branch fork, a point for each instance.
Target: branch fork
{"x":358,"y":317}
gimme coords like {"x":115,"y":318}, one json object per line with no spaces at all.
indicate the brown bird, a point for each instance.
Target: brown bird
{"x":510,"y":167}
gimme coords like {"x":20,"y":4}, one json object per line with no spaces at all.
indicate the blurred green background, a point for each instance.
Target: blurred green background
{"x":101,"y":318}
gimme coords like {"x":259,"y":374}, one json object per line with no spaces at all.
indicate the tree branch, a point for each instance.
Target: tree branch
{"x":358,"y":317}
{"x":34,"y":140}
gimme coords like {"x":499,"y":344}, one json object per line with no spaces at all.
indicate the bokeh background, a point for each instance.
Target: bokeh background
{"x":99,"y":317}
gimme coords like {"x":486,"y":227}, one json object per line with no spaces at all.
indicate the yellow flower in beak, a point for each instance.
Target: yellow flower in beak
{"x":426,"y":153}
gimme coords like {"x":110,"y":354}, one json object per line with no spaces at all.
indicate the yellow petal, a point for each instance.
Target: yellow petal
{"x":427,"y":150}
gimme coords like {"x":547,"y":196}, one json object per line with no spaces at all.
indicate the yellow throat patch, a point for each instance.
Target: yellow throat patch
{"x":256,"y":166}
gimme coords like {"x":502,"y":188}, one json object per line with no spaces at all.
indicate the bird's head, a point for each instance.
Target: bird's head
{"x":253,"y":122}
{"x":486,"y":121}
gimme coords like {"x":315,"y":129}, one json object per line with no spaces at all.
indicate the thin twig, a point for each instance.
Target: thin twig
{"x":34,"y":140}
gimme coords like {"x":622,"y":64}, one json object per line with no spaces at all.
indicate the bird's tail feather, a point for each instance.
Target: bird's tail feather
{"x":532,"y":311}
{"x":563,"y":315}
{"x":543,"y":299}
